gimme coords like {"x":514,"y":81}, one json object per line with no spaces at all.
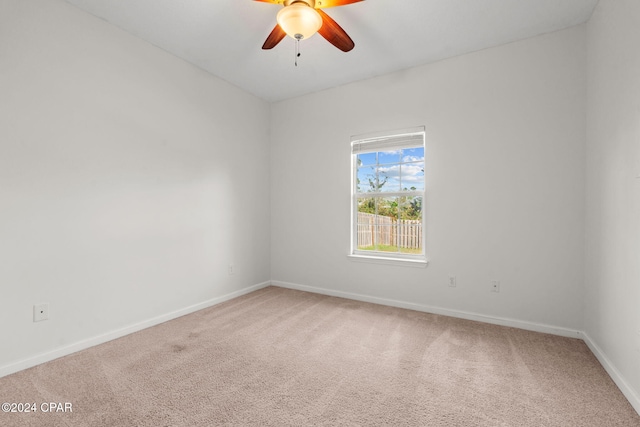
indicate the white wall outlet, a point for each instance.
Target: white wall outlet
{"x":495,"y":286}
{"x":231,"y":269}
{"x":452,"y":281}
{"x":41,"y":312}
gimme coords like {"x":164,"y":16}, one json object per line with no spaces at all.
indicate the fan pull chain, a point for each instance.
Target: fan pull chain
{"x":297,"y":50}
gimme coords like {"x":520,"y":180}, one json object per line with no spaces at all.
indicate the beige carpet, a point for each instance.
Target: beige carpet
{"x":278,"y":357}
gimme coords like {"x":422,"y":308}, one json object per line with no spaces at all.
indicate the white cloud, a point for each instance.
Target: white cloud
{"x":411,"y":173}
{"x":407,"y":159}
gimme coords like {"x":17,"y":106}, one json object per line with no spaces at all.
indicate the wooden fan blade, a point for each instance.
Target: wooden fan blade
{"x":271,"y":1}
{"x":274,"y":38}
{"x":334,"y":33}
{"x":323,"y":4}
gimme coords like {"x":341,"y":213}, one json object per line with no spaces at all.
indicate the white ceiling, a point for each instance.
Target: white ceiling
{"x":224,"y":37}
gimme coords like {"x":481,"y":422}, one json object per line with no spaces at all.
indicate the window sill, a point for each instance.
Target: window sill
{"x":416,"y":263}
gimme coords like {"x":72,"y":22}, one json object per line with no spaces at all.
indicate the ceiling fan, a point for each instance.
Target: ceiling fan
{"x":300,"y":19}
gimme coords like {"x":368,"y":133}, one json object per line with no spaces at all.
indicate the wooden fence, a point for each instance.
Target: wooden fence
{"x":389,"y":231}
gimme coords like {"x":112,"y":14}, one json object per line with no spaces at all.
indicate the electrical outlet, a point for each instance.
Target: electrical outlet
{"x":231,"y":269}
{"x":495,"y":286}
{"x":41,"y":312}
{"x":452,"y":281}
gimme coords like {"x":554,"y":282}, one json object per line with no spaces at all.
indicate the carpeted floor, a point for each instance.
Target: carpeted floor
{"x":279,"y":357}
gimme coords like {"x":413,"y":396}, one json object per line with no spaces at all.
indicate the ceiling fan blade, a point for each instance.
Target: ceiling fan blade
{"x":323,"y":4}
{"x":334,"y":33}
{"x":274,"y":38}
{"x":271,"y":1}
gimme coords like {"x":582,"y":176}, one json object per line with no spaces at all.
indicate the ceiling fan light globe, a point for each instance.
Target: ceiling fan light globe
{"x":299,"y":20}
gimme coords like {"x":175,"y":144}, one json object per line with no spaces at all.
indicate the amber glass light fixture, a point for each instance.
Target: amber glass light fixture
{"x":299,"y":20}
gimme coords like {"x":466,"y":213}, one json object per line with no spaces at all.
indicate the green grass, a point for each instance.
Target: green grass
{"x":390,"y":248}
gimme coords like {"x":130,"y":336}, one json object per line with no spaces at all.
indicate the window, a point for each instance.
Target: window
{"x":388,"y":196}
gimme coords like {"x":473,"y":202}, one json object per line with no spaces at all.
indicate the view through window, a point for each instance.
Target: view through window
{"x":388,"y":196}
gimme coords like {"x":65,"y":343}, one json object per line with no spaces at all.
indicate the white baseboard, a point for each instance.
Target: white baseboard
{"x":628,"y":391}
{"x":529,"y":326}
{"x":632,"y":395}
{"x":100,"y":339}
{"x":615,"y":375}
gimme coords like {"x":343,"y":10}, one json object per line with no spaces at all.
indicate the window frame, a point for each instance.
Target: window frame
{"x":379,"y":142}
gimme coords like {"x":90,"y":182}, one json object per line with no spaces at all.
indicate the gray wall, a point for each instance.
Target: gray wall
{"x":612,"y":295}
{"x":504,"y":182}
{"x":129,"y":180}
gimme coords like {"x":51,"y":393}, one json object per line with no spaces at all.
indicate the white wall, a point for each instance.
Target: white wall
{"x":505,"y":181}
{"x":612,"y":298}
{"x":129,"y":180}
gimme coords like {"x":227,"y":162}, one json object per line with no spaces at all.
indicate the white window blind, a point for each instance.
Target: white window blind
{"x":410,"y":139}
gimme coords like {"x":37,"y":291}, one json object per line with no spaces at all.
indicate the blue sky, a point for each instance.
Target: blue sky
{"x":403,"y":169}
